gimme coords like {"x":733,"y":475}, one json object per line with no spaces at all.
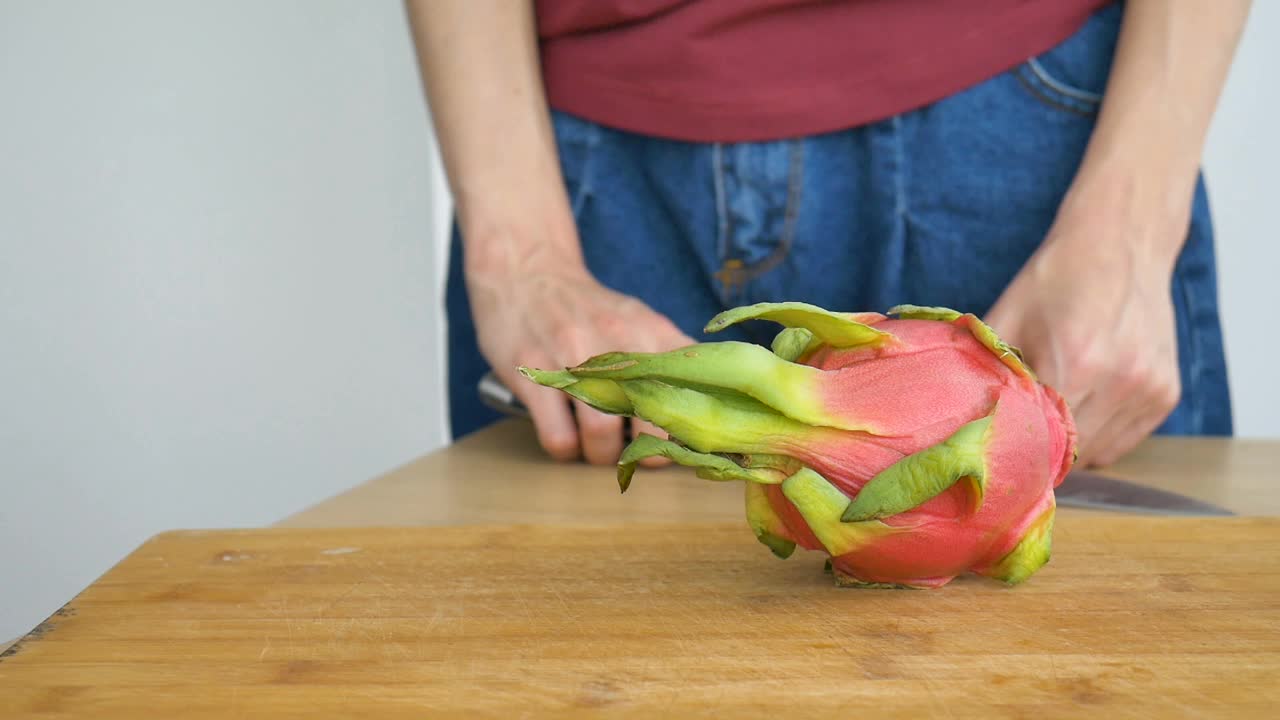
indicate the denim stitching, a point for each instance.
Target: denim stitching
{"x":795,"y":173}
{"x":585,"y":172}
{"x":899,"y":174}
{"x":1063,"y":88}
{"x":722,"y":203}
{"x":1060,"y":103}
{"x":1195,"y":364}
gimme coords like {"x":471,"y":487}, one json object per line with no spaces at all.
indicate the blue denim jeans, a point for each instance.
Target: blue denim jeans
{"x":937,"y":206}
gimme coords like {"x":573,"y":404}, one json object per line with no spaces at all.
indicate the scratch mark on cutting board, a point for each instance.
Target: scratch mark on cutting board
{"x":598,"y":693}
{"x":434,"y":620}
{"x":340,"y":551}
{"x":337,"y":600}
{"x":265,"y":648}
{"x":564,"y":605}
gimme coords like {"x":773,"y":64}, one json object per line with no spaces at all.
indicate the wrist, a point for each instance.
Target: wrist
{"x":501,"y":248}
{"x":1145,"y":207}
{"x":1137,"y":178}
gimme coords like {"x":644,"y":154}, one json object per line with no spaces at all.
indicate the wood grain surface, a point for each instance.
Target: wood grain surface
{"x":499,"y":475}
{"x":1133,"y":618}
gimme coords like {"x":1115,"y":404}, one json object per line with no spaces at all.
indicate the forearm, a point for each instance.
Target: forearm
{"x":1170,"y":65}
{"x":480,"y":69}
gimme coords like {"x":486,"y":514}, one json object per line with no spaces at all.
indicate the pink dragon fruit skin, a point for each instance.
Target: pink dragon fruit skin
{"x":910,"y":449}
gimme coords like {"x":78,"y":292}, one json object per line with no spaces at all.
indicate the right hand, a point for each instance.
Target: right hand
{"x":557,"y":318}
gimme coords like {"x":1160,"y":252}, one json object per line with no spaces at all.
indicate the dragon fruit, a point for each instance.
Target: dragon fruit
{"x":911,"y":447}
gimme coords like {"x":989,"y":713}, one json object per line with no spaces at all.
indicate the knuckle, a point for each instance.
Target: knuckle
{"x":1124,"y":384}
{"x":601,"y":450}
{"x":602,"y":456}
{"x":1163,"y":389}
{"x":629,"y":305}
{"x":1122,"y":368}
{"x":654,"y":462}
{"x":601,"y":437}
{"x":646,"y":428}
{"x":597,"y":425}
{"x":1135,"y":375}
{"x":568,"y":337}
{"x":614,"y":325}
{"x":1105,"y":458}
{"x":1086,"y":367}
{"x":561,"y":447}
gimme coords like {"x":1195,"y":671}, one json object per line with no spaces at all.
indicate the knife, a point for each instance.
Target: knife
{"x":1081,"y":488}
{"x":1091,"y":490}
{"x":498,"y":396}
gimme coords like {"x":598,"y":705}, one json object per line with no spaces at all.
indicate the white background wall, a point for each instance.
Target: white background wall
{"x":220,"y":268}
{"x":218,"y":276}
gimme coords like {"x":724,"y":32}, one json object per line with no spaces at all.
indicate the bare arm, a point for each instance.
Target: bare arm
{"x":1092,"y":308}
{"x":479,"y":66}
{"x":1171,"y":64}
{"x":533,"y":300}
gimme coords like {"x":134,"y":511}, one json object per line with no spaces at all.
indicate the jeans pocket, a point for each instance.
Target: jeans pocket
{"x":1072,"y":75}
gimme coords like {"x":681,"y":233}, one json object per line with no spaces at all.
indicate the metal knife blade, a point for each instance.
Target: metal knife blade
{"x":1086,"y":489}
{"x":498,"y":396}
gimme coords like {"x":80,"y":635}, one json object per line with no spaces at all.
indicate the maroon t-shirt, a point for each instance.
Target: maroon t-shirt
{"x":738,"y":70}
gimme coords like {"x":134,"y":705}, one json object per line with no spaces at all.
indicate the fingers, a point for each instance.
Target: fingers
{"x":601,"y":434}
{"x":639,"y":426}
{"x":1130,"y":401}
{"x":1120,"y":435}
{"x":1088,"y":385}
{"x":1089,"y":419}
{"x":552,"y":419}
{"x":665,"y":336}
{"x":1128,"y":429}
{"x":1107,"y":403}
{"x":569,"y":430}
{"x":1098,"y":448}
{"x":554,"y":320}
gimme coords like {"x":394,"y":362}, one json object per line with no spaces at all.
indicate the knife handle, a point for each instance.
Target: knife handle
{"x":498,"y":396}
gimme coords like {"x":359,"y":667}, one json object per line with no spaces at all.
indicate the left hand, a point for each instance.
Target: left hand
{"x":1092,"y":312}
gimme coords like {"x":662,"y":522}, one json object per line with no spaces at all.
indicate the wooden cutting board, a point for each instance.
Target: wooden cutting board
{"x":1132,"y":618}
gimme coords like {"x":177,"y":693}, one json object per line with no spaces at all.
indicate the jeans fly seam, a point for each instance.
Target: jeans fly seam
{"x":736,"y":276}
{"x":795,"y":172}
{"x":795,"y":186}
{"x":722,"y":203}
{"x":584,"y":184}
{"x":899,"y":170}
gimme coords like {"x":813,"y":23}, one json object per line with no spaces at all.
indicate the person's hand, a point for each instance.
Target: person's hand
{"x":1092,"y":313}
{"x":558,"y":318}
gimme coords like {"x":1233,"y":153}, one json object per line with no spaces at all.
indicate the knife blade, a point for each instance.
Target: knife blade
{"x":497,"y":396}
{"x":1091,"y":490}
